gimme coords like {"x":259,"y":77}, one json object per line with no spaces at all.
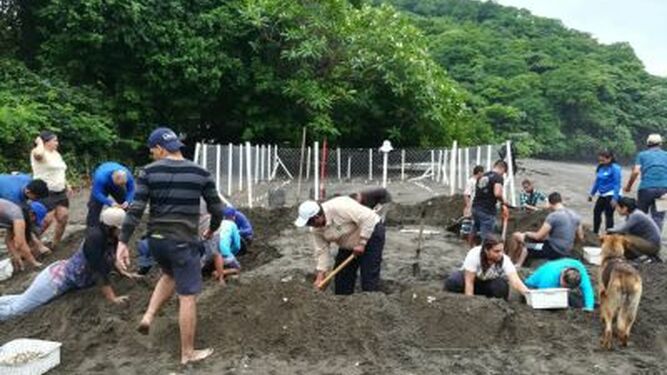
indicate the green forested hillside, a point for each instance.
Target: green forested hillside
{"x":420,"y":72}
{"x":556,"y":90}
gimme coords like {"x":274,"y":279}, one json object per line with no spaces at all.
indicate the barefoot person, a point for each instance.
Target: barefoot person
{"x":651,"y":164}
{"x":89,"y":265}
{"x":356,"y":229}
{"x":20,"y":221}
{"x":173,"y":186}
{"x":640,"y":232}
{"x":486,"y":271}
{"x":109,"y":179}
{"x":20,"y":188}
{"x":48,"y":165}
{"x":554,"y":239}
{"x":565,"y":273}
{"x":607,"y":187}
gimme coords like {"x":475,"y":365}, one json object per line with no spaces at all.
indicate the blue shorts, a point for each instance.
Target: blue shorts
{"x":180,"y":260}
{"x":484,"y":223}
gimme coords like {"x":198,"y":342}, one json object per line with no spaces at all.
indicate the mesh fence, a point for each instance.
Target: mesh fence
{"x":266,"y":167}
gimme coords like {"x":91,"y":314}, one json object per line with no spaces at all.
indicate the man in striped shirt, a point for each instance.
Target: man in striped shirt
{"x":173,"y":186}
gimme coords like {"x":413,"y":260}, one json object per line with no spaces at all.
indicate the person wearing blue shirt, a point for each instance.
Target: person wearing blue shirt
{"x":608,"y":188}
{"x":651,"y":164}
{"x":19,"y":188}
{"x":244,"y":227}
{"x":109,"y":179}
{"x":565,"y":273}
{"x":229,"y":245}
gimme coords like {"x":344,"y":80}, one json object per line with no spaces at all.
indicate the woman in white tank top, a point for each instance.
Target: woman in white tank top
{"x":49,"y":166}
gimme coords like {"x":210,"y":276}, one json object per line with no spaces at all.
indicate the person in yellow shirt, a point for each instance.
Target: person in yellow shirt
{"x":356,"y":230}
{"x":49,"y":166}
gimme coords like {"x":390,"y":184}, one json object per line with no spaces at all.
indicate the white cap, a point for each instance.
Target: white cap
{"x":307,"y":210}
{"x":654,"y":139}
{"x":113,"y":217}
{"x":386,"y":146}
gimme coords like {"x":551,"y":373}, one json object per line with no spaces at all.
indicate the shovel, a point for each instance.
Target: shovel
{"x":333,"y":273}
{"x":416,"y":269}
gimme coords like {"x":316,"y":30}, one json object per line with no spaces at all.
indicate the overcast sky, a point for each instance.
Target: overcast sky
{"x":643,"y":23}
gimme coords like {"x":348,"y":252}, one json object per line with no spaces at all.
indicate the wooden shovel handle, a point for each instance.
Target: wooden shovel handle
{"x":335,"y":271}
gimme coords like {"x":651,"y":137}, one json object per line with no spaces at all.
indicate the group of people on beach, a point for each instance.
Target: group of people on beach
{"x":190,"y":230}
{"x":489,"y":268}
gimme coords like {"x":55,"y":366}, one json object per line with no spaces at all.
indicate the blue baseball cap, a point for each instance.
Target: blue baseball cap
{"x":165,"y":138}
{"x":40,"y":212}
{"x":229,"y":212}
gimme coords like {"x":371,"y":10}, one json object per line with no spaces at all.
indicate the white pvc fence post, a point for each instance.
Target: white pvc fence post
{"x":268,"y":162}
{"x":217,"y":166}
{"x":230,"y":166}
{"x":479,"y":156}
{"x":349,"y":168}
{"x":488,"y":158}
{"x":460,"y":160}
{"x":403,"y":165}
{"x":452,"y":170}
{"x":204,"y":155}
{"x":467,"y":171}
{"x":256,"y":164}
{"x":316,"y":170}
{"x":262,"y":160}
{"x":274,"y":162}
{"x":510,"y":169}
{"x":308,"y":164}
{"x":432,"y":164}
{"x":196,"y":158}
{"x":385,"y":159}
{"x":248,"y":150}
{"x":370,"y":164}
{"x":445,"y":180}
{"x":440,"y":161}
{"x":241,"y":167}
{"x":338,"y":160}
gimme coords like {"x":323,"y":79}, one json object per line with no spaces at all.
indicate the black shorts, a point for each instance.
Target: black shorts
{"x":180,"y":260}
{"x":546,"y":251}
{"x":55,"y":199}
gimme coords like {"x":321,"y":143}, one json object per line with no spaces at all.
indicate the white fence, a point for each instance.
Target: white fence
{"x":241,"y":170}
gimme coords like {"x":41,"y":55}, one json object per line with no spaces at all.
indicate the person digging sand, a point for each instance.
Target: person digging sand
{"x":173,"y":186}
{"x":356,"y":230}
{"x":486,"y":271}
{"x":229,"y":245}
{"x":89,"y":265}
{"x":565,"y":273}
{"x":554,"y":239}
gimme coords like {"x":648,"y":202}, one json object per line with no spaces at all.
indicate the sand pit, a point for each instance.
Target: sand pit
{"x":271,"y":321}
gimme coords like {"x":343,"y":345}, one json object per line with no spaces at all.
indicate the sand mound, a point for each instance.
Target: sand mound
{"x":266,"y":323}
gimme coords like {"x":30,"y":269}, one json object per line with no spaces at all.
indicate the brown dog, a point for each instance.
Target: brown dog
{"x":620,"y":288}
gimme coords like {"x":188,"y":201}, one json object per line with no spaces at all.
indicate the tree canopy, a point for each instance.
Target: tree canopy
{"x":419,"y":72}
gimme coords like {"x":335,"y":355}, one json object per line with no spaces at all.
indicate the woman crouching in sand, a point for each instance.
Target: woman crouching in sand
{"x":486,"y":271}
{"x":89,"y":265}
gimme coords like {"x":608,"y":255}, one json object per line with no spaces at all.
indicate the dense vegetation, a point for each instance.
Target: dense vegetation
{"x":555,"y":90}
{"x":103,"y":73}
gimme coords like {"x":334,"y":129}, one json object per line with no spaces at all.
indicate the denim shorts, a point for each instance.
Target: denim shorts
{"x":180,"y":260}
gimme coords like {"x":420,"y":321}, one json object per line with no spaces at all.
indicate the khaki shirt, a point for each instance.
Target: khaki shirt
{"x":348,"y":224}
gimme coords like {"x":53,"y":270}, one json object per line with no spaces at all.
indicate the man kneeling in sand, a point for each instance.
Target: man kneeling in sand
{"x":554,"y":240}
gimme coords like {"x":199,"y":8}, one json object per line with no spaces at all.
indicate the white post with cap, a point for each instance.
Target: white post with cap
{"x":385,"y":149}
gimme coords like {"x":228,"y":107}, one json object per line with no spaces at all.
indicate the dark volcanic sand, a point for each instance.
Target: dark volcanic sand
{"x":270,"y":321}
